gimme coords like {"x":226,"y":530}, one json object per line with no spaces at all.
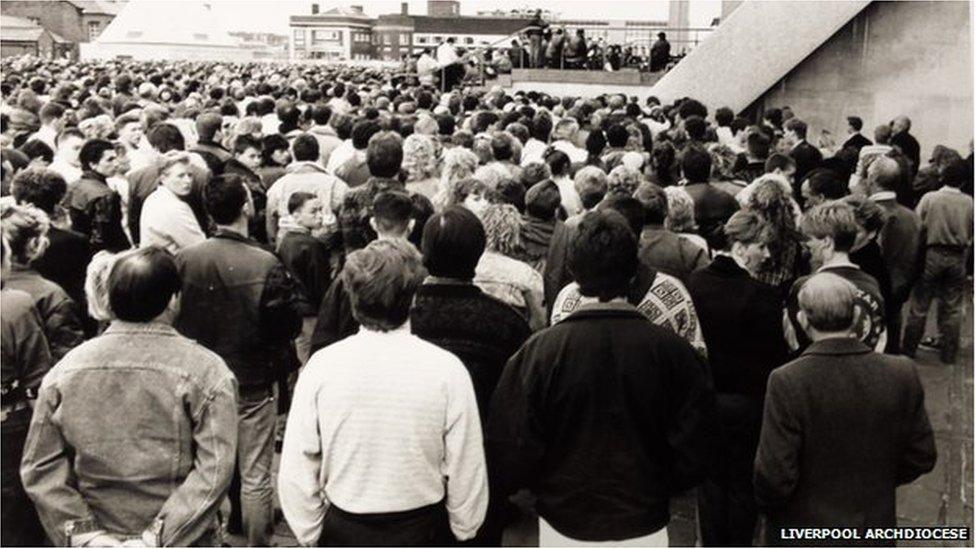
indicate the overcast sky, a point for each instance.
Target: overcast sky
{"x":272,"y":15}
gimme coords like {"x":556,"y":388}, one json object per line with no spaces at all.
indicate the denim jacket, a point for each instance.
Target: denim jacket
{"x":134,"y":434}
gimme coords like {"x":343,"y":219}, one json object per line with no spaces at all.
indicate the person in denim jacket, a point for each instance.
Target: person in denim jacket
{"x":133,"y":437}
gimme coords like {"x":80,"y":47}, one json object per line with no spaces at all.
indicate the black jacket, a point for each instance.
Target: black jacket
{"x":909,"y":147}
{"x":480,"y":330}
{"x":842,"y":428}
{"x":740,"y":354}
{"x":604,"y":416}
{"x":308,"y":260}
{"x":807,"y":158}
{"x":96,"y":212}
{"x":857,"y":141}
{"x":66,"y":263}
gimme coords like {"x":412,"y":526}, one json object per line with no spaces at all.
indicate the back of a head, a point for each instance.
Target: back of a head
{"x":825,"y":183}
{"x":882,"y":134}
{"x":305,"y":148}
{"x":541,"y":127}
{"x":696,"y":165}
{"x":758,"y":144}
{"x":166,"y":137}
{"x":362,"y":132}
{"x":208,"y":124}
{"x":744,"y":227}
{"x":827,"y":302}
{"x":501,"y":147}
{"x":617,"y":136}
{"x":225,"y":198}
{"x":885,"y":173}
{"x":596,"y":142}
{"x":40,"y":187}
{"x":603,"y":256}
{"x":392,"y":211}
{"x":629,"y":207}
{"x":954,"y":173}
{"x":855,"y":122}
{"x":692,"y":107}
{"x":654,"y":202}
{"x":798,"y":127}
{"x":453,"y":242}
{"x":381,"y":280}
{"x":591,"y":185}
{"x":724,"y":116}
{"x":695,"y":127}
{"x":542,"y":200}
{"x":142,"y":283}
{"x":384,"y":154}
{"x":321,"y":114}
{"x":834,"y":219}
{"x":559,"y":163}
{"x":779,"y":161}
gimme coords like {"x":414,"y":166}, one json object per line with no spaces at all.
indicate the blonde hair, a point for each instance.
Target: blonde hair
{"x":419,"y":157}
{"x":458,"y":164}
{"x":681,"y":211}
{"x":503,"y":229}
{"x":22,"y":223}
{"x":96,"y":284}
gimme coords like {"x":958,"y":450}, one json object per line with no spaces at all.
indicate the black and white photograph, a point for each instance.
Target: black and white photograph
{"x":486,"y":273}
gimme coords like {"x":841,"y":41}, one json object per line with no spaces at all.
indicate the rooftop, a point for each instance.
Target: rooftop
{"x":93,"y":7}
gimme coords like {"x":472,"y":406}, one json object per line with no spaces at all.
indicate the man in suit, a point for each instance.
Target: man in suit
{"x":905,"y":141}
{"x":856,"y":140}
{"x":807,"y":157}
{"x":842,"y":426}
{"x":899,"y":240}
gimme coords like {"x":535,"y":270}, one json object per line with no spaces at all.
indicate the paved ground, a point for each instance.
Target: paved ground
{"x":942,"y":497}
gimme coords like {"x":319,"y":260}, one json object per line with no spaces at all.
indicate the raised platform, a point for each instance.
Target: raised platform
{"x":580,"y":82}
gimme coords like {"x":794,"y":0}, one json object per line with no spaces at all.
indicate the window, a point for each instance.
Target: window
{"x":299,"y":36}
{"x":386,"y":40}
{"x":421,"y":39}
{"x":324,"y":36}
{"x":438,"y":39}
{"x":469,"y":40}
{"x":93,"y":30}
{"x":35,"y":20}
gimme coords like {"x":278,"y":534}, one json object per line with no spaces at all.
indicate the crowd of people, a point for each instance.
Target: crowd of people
{"x":448,"y":297}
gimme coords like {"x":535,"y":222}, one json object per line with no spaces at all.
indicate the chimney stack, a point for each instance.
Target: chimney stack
{"x":315,"y":8}
{"x":404,"y":8}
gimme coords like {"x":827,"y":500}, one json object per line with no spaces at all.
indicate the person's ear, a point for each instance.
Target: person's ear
{"x":372,"y":223}
{"x":801,"y":317}
{"x":410,"y":225}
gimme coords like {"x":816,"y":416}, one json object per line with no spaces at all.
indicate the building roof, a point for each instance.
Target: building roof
{"x":21,"y":34}
{"x":189,"y":22}
{"x":94,"y":7}
{"x":755,"y":47}
{"x":468,"y":25}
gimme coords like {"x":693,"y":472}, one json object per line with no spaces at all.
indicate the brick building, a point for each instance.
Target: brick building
{"x":74,"y":21}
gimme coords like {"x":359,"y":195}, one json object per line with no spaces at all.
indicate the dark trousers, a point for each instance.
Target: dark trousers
{"x":19,"y":524}
{"x":944,"y":278}
{"x":726,"y":505}
{"x":426,"y":526}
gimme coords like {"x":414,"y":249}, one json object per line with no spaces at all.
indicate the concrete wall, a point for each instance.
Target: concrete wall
{"x":59,"y":17}
{"x":911,"y":58}
{"x":149,"y":52}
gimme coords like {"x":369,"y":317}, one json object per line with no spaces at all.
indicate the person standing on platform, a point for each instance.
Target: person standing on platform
{"x":534,"y":32}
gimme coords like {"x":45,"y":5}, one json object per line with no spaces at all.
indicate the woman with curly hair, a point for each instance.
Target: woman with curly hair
{"x":458,"y":164}
{"x":502,"y":276}
{"x":776,"y":206}
{"x":420,"y":164}
{"x":623,"y":181}
{"x":25,"y":228}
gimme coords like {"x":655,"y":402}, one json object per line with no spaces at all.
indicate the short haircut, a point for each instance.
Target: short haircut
{"x":595,"y":142}
{"x":834,"y":219}
{"x":172,"y":158}
{"x":271,"y":144}
{"x":696,"y":164}
{"x":35,"y":148}
{"x":654,"y":201}
{"x":797,"y":126}
{"x":453,"y":242}
{"x":827,"y":301}
{"x":775,"y":116}
{"x":885,"y":173}
{"x":882,"y":134}
{"x":868,"y":214}
{"x":305,"y":148}
{"x":559,"y":163}
{"x":245,"y":142}
{"x":534,"y":172}
{"x":40,"y":187}
{"x":623,"y":180}
{"x":92,"y":151}
{"x":362,"y":132}
{"x":954,"y":173}
{"x":51,"y":111}
{"x":758,"y":144}
{"x":166,"y":137}
{"x":826,"y":183}
{"x":68,"y":133}
{"x":724,"y":117}
{"x":779,"y":161}
{"x":695,"y":127}
{"x":617,"y":136}
{"x":566,"y":128}
{"x":501,"y":147}
{"x":384,"y":154}
{"x":510,"y":191}
{"x":142,"y":283}
{"x":542,"y":200}
{"x":541,"y":127}
{"x":603,"y":256}
{"x":855,"y":122}
{"x":392,"y":211}
{"x":591,"y":185}
{"x":208,"y":124}
{"x":692,"y":107}
{"x":298,"y":199}
{"x":445,"y":124}
{"x":225,"y":197}
{"x":629,"y":207}
{"x":321,"y":114}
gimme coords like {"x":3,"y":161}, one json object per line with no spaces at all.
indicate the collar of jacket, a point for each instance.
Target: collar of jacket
{"x":837,"y":346}
{"x":382,"y":184}
{"x":231,"y":235}
{"x":126,"y":327}
{"x":211,"y":145}
{"x":611,"y":309}
{"x":304,"y":166}
{"x":94,"y":176}
{"x":725,"y":264}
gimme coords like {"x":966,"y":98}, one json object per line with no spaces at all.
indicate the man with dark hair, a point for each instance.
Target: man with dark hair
{"x":354,"y":172}
{"x":857,"y":141}
{"x":52,"y":122}
{"x":165,"y":138}
{"x":536,"y":146}
{"x":259,"y":304}
{"x":713,"y":206}
{"x":66,"y":158}
{"x":95,"y":209}
{"x":393,"y":216}
{"x":905,"y":141}
{"x":547,"y":432}
{"x":383,"y":158}
{"x":66,"y":258}
{"x":143,"y":391}
{"x":385,"y":423}
{"x":807,"y":157}
{"x":947,"y":223}
{"x":324,"y":132}
{"x":752,"y":163}
{"x":824,"y":409}
{"x":741,"y":355}
{"x":660,"y":248}
{"x":821,"y":186}
{"x":245,"y":164}
{"x":306,"y":175}
{"x":660,"y":53}
{"x":209,"y":137}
